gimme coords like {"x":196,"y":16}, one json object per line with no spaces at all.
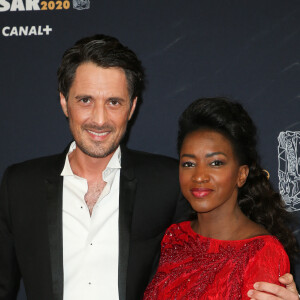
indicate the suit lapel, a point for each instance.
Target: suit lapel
{"x":126,"y":201}
{"x":54,"y":189}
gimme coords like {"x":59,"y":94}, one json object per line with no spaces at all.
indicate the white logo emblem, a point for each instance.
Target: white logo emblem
{"x":26,"y":30}
{"x":81,"y":4}
{"x":289,"y":168}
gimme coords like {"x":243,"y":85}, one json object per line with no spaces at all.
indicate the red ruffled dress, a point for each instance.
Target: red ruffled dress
{"x":195,"y":267}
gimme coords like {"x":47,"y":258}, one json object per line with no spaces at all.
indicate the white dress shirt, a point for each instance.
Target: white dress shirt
{"x":91,"y":243}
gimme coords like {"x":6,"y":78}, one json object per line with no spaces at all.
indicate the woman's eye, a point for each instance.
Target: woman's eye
{"x":188,"y":164}
{"x":217,"y":163}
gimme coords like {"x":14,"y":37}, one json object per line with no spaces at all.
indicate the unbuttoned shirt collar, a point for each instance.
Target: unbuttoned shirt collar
{"x":114,"y":163}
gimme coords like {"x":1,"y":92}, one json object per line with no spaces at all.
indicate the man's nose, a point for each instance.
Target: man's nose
{"x":99,"y":113}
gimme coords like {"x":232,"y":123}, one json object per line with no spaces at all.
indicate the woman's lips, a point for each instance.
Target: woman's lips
{"x":200,"y":192}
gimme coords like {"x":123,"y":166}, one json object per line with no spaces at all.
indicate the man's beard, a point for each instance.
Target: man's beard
{"x":98,"y":150}
{"x":95,"y":154}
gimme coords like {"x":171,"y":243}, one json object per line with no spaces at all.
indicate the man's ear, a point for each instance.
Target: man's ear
{"x":132,"y":108}
{"x":243,"y":174}
{"x":63,"y":104}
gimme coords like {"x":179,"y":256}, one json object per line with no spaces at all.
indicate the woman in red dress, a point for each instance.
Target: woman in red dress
{"x":239,"y":236}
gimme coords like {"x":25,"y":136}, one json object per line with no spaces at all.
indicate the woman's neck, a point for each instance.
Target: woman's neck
{"x":226,"y":226}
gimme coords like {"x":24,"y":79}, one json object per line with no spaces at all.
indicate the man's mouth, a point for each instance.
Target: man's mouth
{"x":98,"y":133}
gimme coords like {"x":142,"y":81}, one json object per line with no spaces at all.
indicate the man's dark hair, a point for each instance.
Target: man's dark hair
{"x":106,"y":52}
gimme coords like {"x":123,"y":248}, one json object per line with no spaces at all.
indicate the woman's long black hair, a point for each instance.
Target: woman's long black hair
{"x":257,"y":198}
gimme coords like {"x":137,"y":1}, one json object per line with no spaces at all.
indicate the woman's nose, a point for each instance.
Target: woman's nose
{"x":200,"y":175}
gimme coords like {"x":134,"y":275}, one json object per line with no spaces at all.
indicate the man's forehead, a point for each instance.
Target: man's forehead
{"x":90,"y":70}
{"x":92,"y":65}
{"x":91,"y":77}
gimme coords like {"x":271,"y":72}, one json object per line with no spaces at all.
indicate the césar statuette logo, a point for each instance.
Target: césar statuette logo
{"x":81,"y":4}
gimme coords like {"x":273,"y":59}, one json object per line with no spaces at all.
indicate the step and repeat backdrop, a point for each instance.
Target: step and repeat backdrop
{"x":246,"y":50}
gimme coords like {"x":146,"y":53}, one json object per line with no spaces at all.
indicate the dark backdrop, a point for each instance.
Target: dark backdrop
{"x":246,"y":50}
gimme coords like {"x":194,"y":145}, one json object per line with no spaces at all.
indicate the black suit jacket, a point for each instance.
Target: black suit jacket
{"x":31,"y":223}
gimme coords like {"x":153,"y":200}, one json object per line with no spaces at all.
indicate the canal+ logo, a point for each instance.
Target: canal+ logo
{"x":34,"y":5}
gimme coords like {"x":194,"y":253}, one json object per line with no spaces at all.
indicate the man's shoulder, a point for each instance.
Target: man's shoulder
{"x":146,"y":158}
{"x":37,"y":165}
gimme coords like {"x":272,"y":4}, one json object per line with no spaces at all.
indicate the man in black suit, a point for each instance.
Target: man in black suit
{"x":87,"y":223}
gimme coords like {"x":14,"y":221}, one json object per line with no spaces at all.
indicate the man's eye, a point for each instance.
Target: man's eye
{"x":85,"y":100}
{"x":217,"y":163}
{"x":114,"y":102}
{"x":188,"y":164}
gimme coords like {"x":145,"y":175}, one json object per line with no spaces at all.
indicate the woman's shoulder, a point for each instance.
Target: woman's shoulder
{"x":178,"y":228}
{"x":271,"y":245}
{"x":268,"y":245}
{"x":177,"y":231}
{"x":270,"y":255}
{"x":268,"y":263}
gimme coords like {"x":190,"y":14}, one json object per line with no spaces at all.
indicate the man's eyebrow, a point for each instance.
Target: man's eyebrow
{"x":116,"y":98}
{"x":78,"y":97}
{"x":82,"y":96}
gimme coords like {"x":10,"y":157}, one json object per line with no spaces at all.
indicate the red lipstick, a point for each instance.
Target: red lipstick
{"x":200,"y":192}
